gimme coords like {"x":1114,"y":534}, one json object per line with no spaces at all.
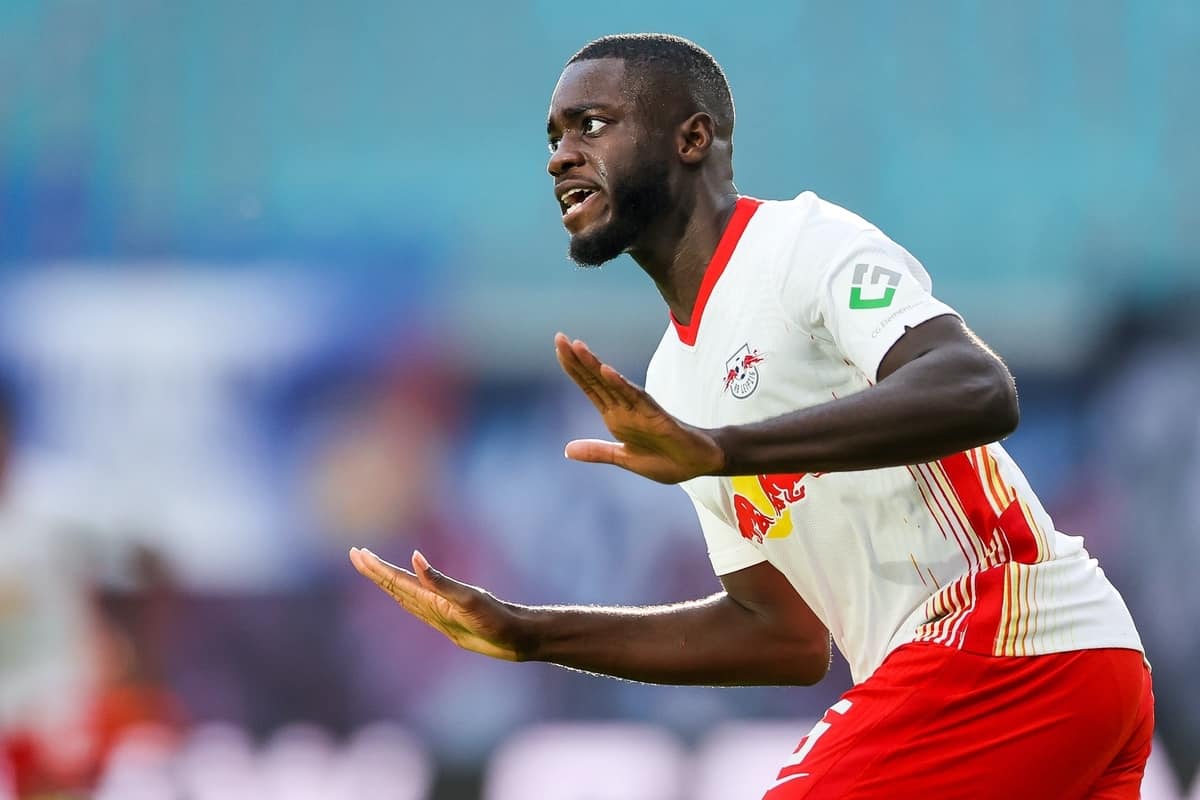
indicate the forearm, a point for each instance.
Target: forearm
{"x":715,"y":642}
{"x":913,"y":416}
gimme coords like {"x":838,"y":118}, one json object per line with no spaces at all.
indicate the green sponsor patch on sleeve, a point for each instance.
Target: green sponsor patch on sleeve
{"x":890,"y":278}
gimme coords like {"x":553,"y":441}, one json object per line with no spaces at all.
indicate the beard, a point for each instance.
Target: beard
{"x":634,"y":206}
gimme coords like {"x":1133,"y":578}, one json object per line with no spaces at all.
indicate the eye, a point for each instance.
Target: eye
{"x":593,"y":125}
{"x":552,"y":145}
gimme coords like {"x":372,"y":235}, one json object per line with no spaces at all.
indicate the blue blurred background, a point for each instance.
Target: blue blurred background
{"x":281,"y":277}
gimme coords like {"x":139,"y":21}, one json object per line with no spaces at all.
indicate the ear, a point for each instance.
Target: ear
{"x":695,"y":138}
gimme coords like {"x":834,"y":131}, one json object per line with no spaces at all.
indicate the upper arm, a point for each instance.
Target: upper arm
{"x":863,"y":297}
{"x":946,"y":332}
{"x":875,"y":301}
{"x":767,"y":593}
{"x":760,"y":601}
{"x":959,"y":362}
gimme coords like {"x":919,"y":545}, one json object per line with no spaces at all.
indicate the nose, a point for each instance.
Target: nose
{"x":565,"y":157}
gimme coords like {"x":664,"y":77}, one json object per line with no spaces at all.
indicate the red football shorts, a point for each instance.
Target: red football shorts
{"x":935,"y":722}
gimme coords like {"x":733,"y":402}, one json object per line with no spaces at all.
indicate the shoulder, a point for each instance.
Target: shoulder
{"x":808,"y":235}
{"x":811,"y":221}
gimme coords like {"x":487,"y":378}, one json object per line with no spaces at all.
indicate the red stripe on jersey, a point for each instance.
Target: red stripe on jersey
{"x":968,"y":485}
{"x":743,"y":210}
{"x":984,"y":618}
{"x":925,"y":498}
{"x":1021,"y":539}
{"x":953,"y":635}
{"x":1012,"y":524}
{"x":937,"y":505}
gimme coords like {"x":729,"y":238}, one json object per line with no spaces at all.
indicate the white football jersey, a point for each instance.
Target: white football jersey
{"x":800,"y":303}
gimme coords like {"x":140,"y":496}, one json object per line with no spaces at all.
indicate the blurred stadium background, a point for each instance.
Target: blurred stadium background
{"x":281,"y":277}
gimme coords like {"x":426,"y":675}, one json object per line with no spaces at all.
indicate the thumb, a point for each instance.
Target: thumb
{"x":595,"y":451}
{"x":435,"y":581}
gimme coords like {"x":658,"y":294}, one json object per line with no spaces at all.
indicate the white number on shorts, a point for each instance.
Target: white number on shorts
{"x":840,"y":707}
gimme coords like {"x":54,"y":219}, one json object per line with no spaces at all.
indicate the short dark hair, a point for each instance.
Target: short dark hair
{"x":680,"y":63}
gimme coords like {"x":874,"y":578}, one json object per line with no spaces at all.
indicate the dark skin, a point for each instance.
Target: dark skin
{"x":938,"y":391}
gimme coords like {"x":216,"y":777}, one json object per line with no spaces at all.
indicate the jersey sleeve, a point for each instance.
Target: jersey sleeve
{"x":727,"y":550}
{"x":869,"y":294}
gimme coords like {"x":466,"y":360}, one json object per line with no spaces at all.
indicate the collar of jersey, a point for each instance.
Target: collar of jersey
{"x":743,"y":210}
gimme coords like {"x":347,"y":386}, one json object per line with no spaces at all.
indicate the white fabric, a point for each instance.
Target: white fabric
{"x":808,"y":305}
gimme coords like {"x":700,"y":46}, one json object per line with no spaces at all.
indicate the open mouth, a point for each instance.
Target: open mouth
{"x":574,"y":201}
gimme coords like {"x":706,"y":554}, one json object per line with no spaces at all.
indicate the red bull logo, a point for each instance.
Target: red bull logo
{"x":762,"y":503}
{"x":741,"y":373}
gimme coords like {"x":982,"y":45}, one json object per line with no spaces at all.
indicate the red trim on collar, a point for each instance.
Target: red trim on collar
{"x":743,"y":210}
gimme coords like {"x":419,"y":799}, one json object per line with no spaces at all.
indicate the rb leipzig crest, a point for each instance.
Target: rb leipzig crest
{"x":741,"y":372}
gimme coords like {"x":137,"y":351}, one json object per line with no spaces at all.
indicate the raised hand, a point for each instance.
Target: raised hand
{"x":469,"y":616}
{"x":650,"y":441}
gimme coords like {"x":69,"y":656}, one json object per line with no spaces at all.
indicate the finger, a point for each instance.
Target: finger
{"x":570,"y":365}
{"x":587,"y":367}
{"x":455,"y":591}
{"x":595,"y":451}
{"x":626,"y":393}
{"x":562,"y":346}
{"x":595,"y":368}
{"x":401,"y":584}
{"x":621,"y":389}
{"x":586,"y":379}
{"x":586,"y":357}
{"x":387,"y":576}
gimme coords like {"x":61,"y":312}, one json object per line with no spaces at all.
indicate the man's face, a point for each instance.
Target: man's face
{"x":609,"y":182}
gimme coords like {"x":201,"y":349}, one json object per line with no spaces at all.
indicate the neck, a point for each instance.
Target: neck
{"x":676,"y":253}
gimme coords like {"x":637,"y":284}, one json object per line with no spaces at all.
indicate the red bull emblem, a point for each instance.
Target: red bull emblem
{"x":741,"y":372}
{"x":762,"y":503}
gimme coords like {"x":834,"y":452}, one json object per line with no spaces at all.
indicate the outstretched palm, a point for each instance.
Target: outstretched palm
{"x":650,"y":441}
{"x":470,"y":617}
